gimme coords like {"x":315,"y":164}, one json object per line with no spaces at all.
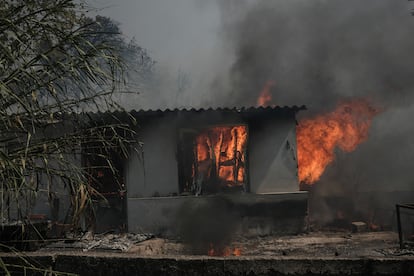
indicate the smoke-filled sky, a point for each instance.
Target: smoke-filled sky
{"x":181,"y":33}
{"x":182,"y":36}
{"x":222,"y":52}
{"x":319,"y":51}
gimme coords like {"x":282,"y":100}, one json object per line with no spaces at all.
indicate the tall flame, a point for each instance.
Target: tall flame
{"x":265,"y":97}
{"x":345,"y":127}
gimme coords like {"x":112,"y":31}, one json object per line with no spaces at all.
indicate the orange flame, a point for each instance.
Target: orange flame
{"x":223,"y":252}
{"x":265,"y":97}
{"x":236,"y":251}
{"x":345,"y":127}
{"x":222,"y":149}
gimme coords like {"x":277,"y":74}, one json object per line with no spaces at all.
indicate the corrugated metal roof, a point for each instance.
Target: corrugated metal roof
{"x":225,"y":109}
{"x":244,"y":111}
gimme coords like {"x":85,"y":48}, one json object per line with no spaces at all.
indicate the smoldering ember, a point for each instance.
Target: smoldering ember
{"x":282,"y":145}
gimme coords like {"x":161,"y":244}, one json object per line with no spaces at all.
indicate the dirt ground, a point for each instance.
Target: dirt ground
{"x":313,"y":253}
{"x":313,"y":244}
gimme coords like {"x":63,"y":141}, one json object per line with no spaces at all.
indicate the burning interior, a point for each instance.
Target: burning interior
{"x":213,"y":159}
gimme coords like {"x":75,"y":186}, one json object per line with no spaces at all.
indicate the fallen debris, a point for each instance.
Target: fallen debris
{"x":313,"y":244}
{"x":106,"y":242}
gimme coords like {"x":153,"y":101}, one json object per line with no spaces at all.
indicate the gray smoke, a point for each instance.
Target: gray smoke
{"x":183,"y":37}
{"x":222,"y":52}
{"x":320,"y":51}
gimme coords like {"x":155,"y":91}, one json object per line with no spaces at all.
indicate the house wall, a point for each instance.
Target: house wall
{"x":53,"y":197}
{"x":272,"y":156}
{"x":54,"y":193}
{"x":153,"y":170}
{"x":44,"y":196}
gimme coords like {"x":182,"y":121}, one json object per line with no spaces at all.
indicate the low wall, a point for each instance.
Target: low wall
{"x":127,"y":265}
{"x":246,"y":214}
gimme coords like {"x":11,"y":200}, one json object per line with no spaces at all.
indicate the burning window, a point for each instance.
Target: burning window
{"x":213,"y":159}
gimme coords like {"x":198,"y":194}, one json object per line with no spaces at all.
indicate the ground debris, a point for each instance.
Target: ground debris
{"x":391,"y":252}
{"x":106,"y":242}
{"x":308,"y":245}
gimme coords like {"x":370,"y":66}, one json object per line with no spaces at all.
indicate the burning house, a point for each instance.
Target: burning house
{"x":208,"y":176}
{"x":239,"y":165}
{"x":224,"y":172}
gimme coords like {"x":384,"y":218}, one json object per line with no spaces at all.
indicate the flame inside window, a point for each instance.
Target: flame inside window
{"x":219,"y":159}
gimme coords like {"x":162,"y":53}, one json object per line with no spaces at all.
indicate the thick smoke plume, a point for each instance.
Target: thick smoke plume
{"x":223,"y":52}
{"x":320,"y":51}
